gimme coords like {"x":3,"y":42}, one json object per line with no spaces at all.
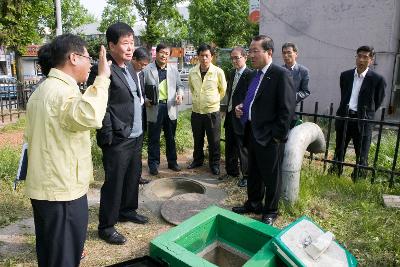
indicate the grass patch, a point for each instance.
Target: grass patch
{"x":354,"y":212}
{"x":19,"y":125}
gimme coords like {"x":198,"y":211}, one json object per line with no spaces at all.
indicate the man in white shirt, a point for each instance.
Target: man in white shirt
{"x":362,"y":92}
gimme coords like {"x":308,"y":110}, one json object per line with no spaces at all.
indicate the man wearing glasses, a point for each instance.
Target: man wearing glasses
{"x":362,"y":91}
{"x":58,"y":123}
{"x":165,"y":79}
{"x":238,"y":83}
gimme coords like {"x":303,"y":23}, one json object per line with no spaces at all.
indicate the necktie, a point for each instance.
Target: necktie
{"x":249,"y":97}
{"x":234,"y":84}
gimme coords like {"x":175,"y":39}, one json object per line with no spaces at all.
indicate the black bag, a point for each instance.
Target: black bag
{"x":151,"y":93}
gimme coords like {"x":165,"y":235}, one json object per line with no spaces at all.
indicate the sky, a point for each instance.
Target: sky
{"x":96,"y":7}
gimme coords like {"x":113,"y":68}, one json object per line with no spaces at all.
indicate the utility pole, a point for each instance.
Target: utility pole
{"x":57,"y":5}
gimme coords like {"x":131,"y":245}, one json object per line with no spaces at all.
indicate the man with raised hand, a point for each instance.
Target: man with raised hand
{"x":58,"y":123}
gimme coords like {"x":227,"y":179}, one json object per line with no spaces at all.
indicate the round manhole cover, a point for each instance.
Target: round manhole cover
{"x":181,"y":207}
{"x":163,"y":189}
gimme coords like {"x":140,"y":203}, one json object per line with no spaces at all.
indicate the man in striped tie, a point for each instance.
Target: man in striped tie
{"x":265,"y":113}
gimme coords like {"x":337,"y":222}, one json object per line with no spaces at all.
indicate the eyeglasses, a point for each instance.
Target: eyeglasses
{"x":235,"y":58}
{"x":91,"y":60}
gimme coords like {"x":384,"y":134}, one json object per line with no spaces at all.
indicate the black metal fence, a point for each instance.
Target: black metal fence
{"x":380,"y":128}
{"x":13,"y":99}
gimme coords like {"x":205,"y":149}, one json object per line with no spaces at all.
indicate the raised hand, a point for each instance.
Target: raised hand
{"x":104,"y":66}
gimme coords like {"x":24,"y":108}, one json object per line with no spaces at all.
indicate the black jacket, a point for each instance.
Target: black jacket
{"x":118,"y":120}
{"x":274,"y":106}
{"x":372,"y":93}
{"x":238,"y":96}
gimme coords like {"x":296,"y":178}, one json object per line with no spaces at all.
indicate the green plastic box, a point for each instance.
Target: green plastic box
{"x":217,"y":232}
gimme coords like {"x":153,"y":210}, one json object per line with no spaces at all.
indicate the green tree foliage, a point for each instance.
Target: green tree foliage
{"x":23,"y":22}
{"x":159,"y":16}
{"x":223,"y":22}
{"x":18,"y":23}
{"x":117,"y":11}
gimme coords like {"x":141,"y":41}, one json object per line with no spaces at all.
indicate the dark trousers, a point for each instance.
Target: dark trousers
{"x":234,"y":149}
{"x":119,"y":193}
{"x":362,"y":142}
{"x":265,"y":174}
{"x":154,"y":131}
{"x":209,"y":124}
{"x":60,"y":228}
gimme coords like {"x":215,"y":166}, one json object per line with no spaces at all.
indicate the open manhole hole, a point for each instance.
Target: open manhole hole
{"x":166,"y":188}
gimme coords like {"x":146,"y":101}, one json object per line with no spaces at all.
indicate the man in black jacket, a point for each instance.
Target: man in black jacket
{"x":266,"y":113}
{"x":120,"y":138}
{"x":362,"y":91}
{"x":238,"y":83}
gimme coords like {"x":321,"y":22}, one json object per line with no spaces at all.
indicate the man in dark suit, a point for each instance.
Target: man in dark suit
{"x":120,"y":138}
{"x":238,"y":83}
{"x":140,"y":59}
{"x":362,"y":91}
{"x":266,"y":113}
{"x":300,"y":74}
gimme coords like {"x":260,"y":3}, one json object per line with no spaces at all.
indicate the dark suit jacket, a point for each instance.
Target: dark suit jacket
{"x":118,"y":120}
{"x":274,"y":106}
{"x":238,"y":96}
{"x":300,"y":79}
{"x":372,"y":93}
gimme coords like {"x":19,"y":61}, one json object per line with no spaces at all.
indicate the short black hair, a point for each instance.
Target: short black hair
{"x":162,"y":46}
{"x":290,"y":44}
{"x":205,"y":47}
{"x":63,"y":45}
{"x":116,"y":30}
{"x":266,"y":42}
{"x":44,"y":59}
{"x":141,"y":53}
{"x":240,"y":49}
{"x":366,"y":48}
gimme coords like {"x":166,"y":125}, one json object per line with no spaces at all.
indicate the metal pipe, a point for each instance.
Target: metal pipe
{"x":307,"y":136}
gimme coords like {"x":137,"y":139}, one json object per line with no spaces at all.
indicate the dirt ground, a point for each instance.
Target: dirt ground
{"x":17,"y":245}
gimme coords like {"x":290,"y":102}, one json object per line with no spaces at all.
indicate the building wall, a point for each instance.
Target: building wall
{"x":328,"y":33}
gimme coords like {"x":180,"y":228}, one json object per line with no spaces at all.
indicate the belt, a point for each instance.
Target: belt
{"x":352,"y":112}
{"x":162,"y":101}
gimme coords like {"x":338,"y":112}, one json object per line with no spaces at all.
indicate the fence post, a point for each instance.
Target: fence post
{"x":328,"y":135}
{"x":378,"y":145}
{"x":391,"y":181}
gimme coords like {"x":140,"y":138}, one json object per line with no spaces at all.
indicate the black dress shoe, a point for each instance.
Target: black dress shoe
{"x":215,"y":170}
{"x":153,"y":171}
{"x":242,"y":182}
{"x":143,"y":181}
{"x":246,"y":209}
{"x":194,"y":165}
{"x":269,"y":218}
{"x":174,"y":167}
{"x":133,"y":217}
{"x":114,"y":238}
